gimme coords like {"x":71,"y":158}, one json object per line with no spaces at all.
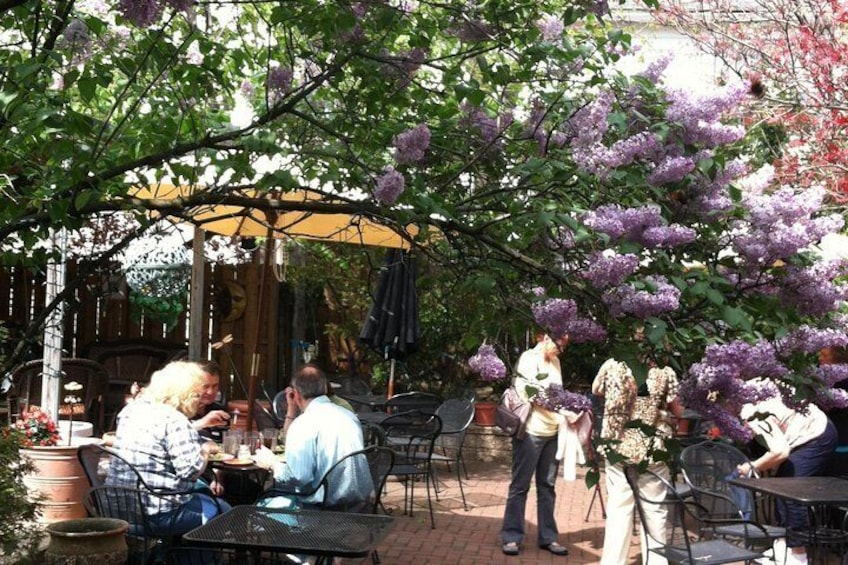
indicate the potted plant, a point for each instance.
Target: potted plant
{"x":19,"y":537}
{"x":493,"y":375}
{"x":55,"y":476}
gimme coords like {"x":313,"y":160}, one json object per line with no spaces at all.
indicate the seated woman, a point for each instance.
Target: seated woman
{"x":157,"y":439}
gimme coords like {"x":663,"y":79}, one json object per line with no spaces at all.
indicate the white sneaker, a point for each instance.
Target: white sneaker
{"x":796,"y":558}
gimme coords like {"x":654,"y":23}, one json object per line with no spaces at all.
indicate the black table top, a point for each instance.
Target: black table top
{"x":372,"y":400}
{"x":806,"y":490}
{"x":311,"y":532}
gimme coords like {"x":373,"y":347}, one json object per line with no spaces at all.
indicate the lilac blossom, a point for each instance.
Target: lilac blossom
{"x":487,"y":364}
{"x":807,"y":339}
{"x":556,"y":398}
{"x":656,"y":68}
{"x":76,"y":37}
{"x":831,"y":398}
{"x":550,"y":27}
{"x":745,"y":360}
{"x":812,"y":290}
{"x":619,"y":222}
{"x":141,"y":13}
{"x":610,"y":269}
{"x":668,"y":236}
{"x":643,"y":145}
{"x":411,"y":145}
{"x":830,"y":375}
{"x":279,"y":82}
{"x":671,"y":170}
{"x":584,"y":330}
{"x":555,"y":314}
{"x":626,"y":299}
{"x":390,"y":186}
{"x":247,"y":89}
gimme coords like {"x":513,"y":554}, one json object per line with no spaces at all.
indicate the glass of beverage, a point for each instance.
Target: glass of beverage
{"x":253,"y":441}
{"x":232,"y":440}
{"x":269,"y":438}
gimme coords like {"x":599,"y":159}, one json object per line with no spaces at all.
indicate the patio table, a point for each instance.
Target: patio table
{"x":818,"y":494}
{"x":242,"y":483}
{"x":373,"y":401}
{"x":320,"y":533}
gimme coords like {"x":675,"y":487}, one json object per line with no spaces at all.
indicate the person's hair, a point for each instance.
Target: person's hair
{"x":210,"y":367}
{"x":310,"y":381}
{"x":177,"y":384}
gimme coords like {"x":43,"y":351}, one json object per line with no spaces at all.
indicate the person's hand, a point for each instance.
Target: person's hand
{"x":746,"y":469}
{"x":208,"y":448}
{"x":216,"y":488}
{"x":213,"y":419}
{"x":265,"y":458}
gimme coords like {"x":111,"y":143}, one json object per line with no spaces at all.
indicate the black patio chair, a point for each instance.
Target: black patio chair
{"x":683,"y":541}
{"x":412,"y":435}
{"x":706,"y":466}
{"x":456,"y":415}
{"x":138,"y":504}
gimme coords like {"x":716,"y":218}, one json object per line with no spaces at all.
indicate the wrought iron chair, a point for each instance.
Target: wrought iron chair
{"x":706,"y":467}
{"x":26,"y":388}
{"x":413,"y":435}
{"x":456,"y":417}
{"x":675,"y":542}
{"x":359,"y":469}
{"x":279,"y":405}
{"x":151,"y":539}
{"x":352,"y":385}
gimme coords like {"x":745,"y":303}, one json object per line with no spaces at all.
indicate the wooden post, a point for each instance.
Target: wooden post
{"x":196,"y":316}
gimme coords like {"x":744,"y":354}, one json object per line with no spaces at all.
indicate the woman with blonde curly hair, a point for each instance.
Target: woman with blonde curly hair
{"x":157,"y":439}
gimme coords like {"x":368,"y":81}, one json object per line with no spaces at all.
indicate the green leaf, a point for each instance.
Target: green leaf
{"x":87,"y":88}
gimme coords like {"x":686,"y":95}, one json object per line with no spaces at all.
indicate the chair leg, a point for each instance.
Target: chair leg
{"x":600,"y":496}
{"x":459,"y":480}
{"x":428,"y":478}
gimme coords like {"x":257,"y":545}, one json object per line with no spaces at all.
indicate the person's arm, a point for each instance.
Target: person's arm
{"x":212,"y":419}
{"x":291,"y":410}
{"x":776,"y":442}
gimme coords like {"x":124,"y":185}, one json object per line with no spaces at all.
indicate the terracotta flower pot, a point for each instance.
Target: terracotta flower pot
{"x":87,"y":541}
{"x":58,"y":479}
{"x":484,"y":413}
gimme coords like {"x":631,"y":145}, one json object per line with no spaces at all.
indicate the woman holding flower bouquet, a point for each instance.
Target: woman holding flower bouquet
{"x":535,"y":452}
{"x":623,"y":404}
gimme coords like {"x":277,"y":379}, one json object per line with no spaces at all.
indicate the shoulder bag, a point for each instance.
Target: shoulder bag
{"x":512,"y":412}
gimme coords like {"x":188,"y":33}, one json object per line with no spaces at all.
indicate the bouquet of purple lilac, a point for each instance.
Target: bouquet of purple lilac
{"x":556,"y":398}
{"x":489,"y":366}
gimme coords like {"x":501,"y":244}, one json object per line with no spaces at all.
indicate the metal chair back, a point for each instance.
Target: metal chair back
{"x":674,"y":525}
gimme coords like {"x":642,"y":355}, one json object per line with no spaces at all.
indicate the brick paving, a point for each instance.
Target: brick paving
{"x":473,"y":536}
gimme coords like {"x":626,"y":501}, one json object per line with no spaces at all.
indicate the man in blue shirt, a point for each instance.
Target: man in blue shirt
{"x":318,"y":438}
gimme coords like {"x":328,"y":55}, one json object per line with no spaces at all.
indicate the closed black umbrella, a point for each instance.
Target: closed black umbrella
{"x":392,"y":327}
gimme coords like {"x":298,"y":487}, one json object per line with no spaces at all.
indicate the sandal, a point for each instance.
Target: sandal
{"x":510,"y":548}
{"x":555,"y":548}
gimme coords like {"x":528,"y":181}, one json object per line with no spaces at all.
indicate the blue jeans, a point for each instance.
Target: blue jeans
{"x":532,"y":455}
{"x":198,"y":510}
{"x":807,"y":460}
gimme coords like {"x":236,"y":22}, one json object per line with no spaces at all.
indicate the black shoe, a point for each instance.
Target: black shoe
{"x":555,"y":548}
{"x":510,"y":548}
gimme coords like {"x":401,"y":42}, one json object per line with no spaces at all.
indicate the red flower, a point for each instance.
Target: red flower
{"x":714,"y":432}
{"x":37,"y":428}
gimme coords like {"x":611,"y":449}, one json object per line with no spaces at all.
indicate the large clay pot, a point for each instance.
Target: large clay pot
{"x":484,"y":413}
{"x":58,"y":478}
{"x":87,"y":541}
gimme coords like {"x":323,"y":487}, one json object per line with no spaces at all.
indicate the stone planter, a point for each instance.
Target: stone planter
{"x":87,"y":541}
{"x":59,"y":480}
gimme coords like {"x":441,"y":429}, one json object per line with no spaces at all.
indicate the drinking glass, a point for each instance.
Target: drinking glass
{"x":253,"y":441}
{"x":269,"y":438}
{"x":232,"y":440}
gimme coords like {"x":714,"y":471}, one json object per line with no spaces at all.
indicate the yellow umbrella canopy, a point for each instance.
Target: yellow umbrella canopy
{"x":251,"y":222}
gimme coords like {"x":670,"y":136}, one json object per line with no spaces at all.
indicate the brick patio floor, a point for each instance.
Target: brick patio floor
{"x":473,"y":536}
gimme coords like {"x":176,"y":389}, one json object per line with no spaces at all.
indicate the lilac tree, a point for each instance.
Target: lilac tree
{"x":538,"y":179}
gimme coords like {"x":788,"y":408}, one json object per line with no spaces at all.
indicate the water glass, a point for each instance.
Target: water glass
{"x":232,"y":440}
{"x":269,"y":438}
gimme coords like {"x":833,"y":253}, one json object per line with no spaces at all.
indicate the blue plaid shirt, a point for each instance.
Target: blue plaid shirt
{"x":160,"y":443}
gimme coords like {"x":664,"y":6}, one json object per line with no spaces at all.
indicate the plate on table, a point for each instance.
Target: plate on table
{"x":238,"y":462}
{"x":221,"y":457}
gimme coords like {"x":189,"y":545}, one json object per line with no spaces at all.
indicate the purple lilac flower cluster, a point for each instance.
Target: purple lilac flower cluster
{"x":411,"y":145}
{"x":812,"y":290}
{"x":390,"y":185}
{"x":550,"y":27}
{"x":672,"y":235}
{"x":806,"y":339}
{"x":626,"y":299}
{"x":559,"y":317}
{"x":671,"y":169}
{"x":279,"y":82}
{"x":744,"y":360}
{"x":780,"y":224}
{"x":619,"y":222}
{"x":556,"y":398}
{"x":143,"y":13}
{"x":698,"y":115}
{"x":487,"y":364}
{"x":610,"y":269}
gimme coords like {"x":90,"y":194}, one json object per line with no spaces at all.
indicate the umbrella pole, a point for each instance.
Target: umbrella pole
{"x":390,"y":390}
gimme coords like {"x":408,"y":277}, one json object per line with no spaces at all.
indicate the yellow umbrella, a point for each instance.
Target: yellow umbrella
{"x":251,"y":222}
